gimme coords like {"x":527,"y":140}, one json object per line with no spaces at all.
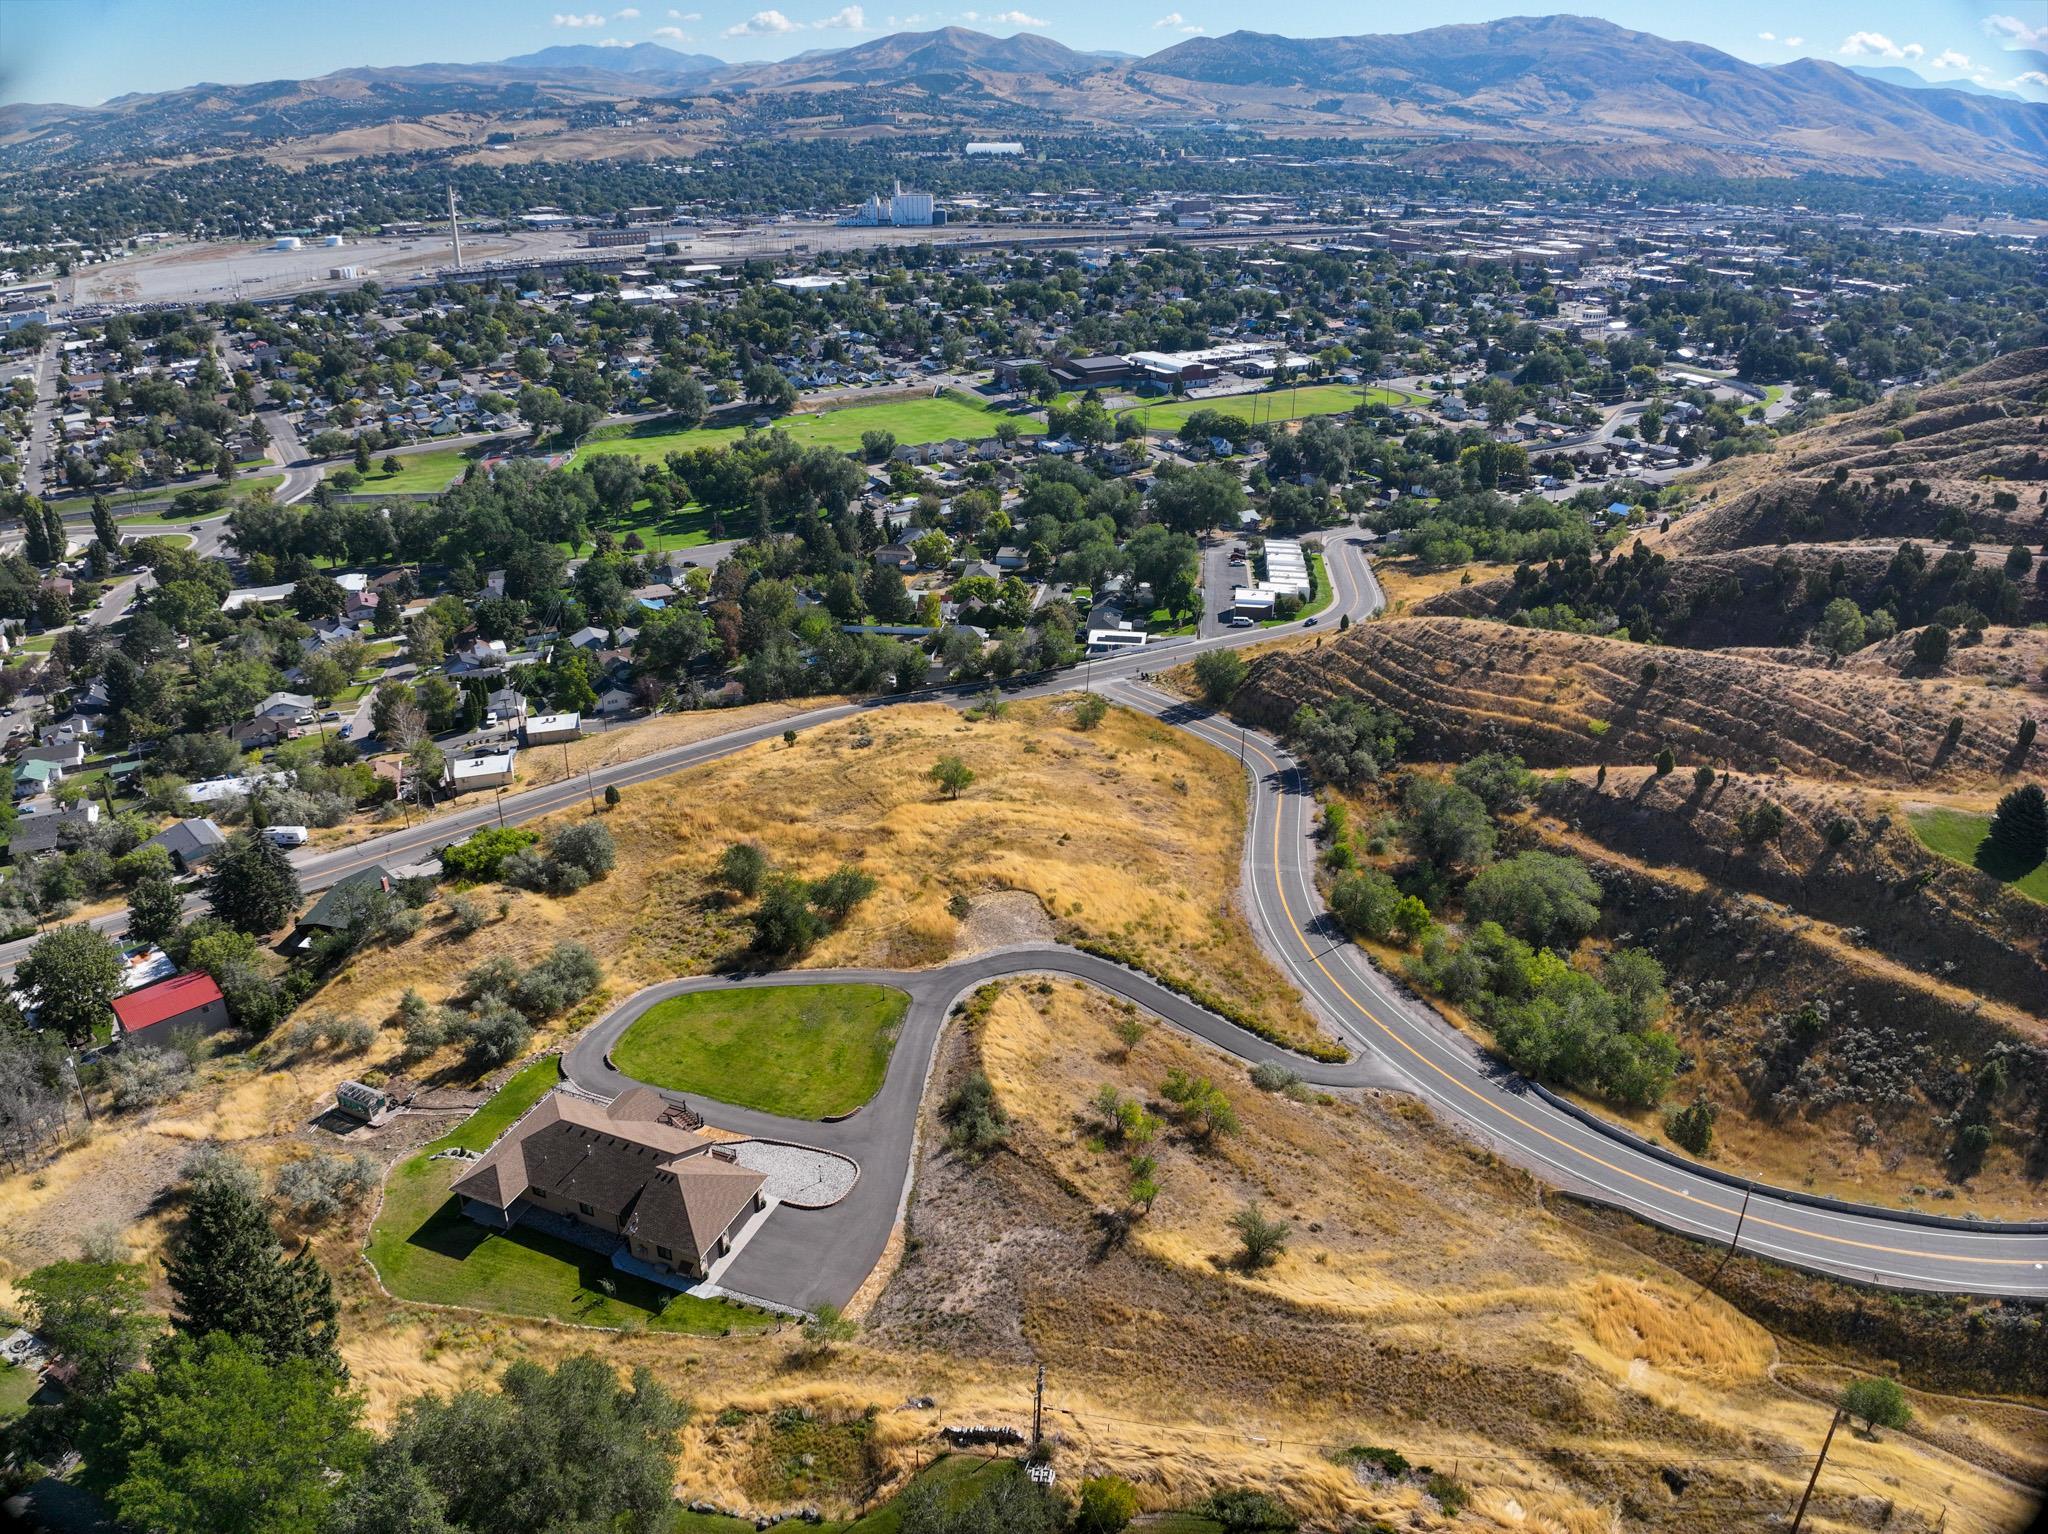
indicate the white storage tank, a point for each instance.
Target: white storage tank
{"x":288,"y":242}
{"x":332,"y":242}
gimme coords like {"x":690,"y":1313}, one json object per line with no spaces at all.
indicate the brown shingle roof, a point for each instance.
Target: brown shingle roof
{"x":646,"y":1178}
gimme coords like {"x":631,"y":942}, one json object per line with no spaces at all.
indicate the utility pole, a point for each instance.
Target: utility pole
{"x":1038,"y":1409}
{"x":1800,"y":1516}
{"x":1741,"y":1215}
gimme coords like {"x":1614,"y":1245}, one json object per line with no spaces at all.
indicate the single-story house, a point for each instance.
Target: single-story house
{"x":491,"y":770}
{"x":896,"y":556}
{"x":337,"y":907}
{"x":34,"y":835}
{"x":32,"y":778}
{"x":284,"y":706}
{"x":260,"y":734}
{"x":191,"y":843}
{"x":189,"y":1003}
{"x":545,"y":729}
{"x":676,"y":1202}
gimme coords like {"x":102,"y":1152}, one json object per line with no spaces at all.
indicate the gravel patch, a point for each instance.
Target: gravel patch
{"x":797,"y":1175}
{"x":1002,"y":919}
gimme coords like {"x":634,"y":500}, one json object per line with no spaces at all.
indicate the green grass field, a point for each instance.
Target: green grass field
{"x":803,"y":1051}
{"x":425,"y":1248}
{"x":1273,"y":405}
{"x":1959,"y":835}
{"x":932,"y":419}
{"x":684,"y":528}
{"x":418,"y":473}
{"x":17,"y":1386}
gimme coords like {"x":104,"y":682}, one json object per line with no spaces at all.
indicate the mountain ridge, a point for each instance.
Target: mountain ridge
{"x":1549,"y":94}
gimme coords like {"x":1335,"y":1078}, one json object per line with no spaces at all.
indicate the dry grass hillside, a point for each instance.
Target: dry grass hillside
{"x":1568,"y":700}
{"x":1425,"y":1301}
{"x":1895,"y":469}
{"x":1126,"y":837}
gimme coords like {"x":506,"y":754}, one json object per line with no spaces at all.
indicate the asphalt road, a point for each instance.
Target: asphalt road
{"x":1361,"y":1006}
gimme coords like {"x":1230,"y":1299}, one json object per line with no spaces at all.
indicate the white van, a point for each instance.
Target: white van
{"x":286,"y":836}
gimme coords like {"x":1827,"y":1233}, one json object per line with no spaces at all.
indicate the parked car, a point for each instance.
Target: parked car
{"x":1240,"y":621}
{"x":332,"y":716}
{"x":286,"y":836}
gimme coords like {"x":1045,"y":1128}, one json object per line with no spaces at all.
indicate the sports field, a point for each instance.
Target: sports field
{"x":913,"y":421}
{"x":1272,"y":404}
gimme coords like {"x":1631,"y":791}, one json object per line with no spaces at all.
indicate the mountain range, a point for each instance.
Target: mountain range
{"x":1553,"y":94}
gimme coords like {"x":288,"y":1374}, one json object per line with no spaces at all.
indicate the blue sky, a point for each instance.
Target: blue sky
{"x":90,"y":50}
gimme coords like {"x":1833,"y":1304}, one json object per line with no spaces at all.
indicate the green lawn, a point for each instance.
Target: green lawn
{"x":1960,"y":835}
{"x":17,"y":1385}
{"x":931,"y":419}
{"x":171,"y":519}
{"x":803,"y":1051}
{"x":418,"y":473}
{"x":684,"y":528}
{"x":425,"y":1248}
{"x":1273,"y":405}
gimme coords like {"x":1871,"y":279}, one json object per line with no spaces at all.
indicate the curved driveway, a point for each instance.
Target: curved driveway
{"x":803,"y":1258}
{"x":1400,"y":1038}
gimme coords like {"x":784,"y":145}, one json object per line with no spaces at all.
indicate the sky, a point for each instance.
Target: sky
{"x":87,"y":51}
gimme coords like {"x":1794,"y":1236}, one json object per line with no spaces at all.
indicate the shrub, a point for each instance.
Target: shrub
{"x":741,"y":868}
{"x":1272,"y":1076}
{"x":1450,"y":1493}
{"x":1365,"y":901}
{"x":144,"y":1077}
{"x":576,"y":855}
{"x":841,"y":890}
{"x":492,"y":1033}
{"x":1247,"y":1512}
{"x":465,"y":916}
{"x":976,"y":1121}
{"x":1108,"y":1504}
{"x":1200,"y":1105}
{"x":1089,"y":709}
{"x":569,"y":973}
{"x":1219,"y":673}
{"x":1388,"y":1462}
{"x":1260,"y":1241}
{"x":317,"y":1188}
{"x":785,"y":922}
{"x":1692,"y":1127}
{"x":1762,"y":821}
{"x":481,"y":858}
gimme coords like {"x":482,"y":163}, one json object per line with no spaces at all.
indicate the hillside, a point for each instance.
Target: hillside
{"x":1769,"y":596}
{"x":1970,"y":454}
{"x":1569,"y":700}
{"x":1556,"y":95}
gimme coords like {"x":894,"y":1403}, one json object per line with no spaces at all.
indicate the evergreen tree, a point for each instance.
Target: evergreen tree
{"x":156,"y":909}
{"x":104,"y":527}
{"x":35,"y":538}
{"x":2019,"y":828}
{"x":229,"y":1274}
{"x":252,"y":885}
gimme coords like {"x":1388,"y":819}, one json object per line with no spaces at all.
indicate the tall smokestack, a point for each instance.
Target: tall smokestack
{"x":455,"y":228}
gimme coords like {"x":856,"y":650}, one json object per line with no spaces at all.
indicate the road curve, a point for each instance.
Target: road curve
{"x":1363,"y":1007}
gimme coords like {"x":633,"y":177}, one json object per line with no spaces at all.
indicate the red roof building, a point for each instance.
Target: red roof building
{"x":181,"y":1001}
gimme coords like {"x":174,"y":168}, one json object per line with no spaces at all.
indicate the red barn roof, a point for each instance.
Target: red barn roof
{"x":165,"y":1000}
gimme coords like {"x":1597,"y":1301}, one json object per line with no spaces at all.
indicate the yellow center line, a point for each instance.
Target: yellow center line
{"x":1301,"y":934}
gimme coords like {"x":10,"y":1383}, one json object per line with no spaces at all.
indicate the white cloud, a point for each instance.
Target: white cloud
{"x":761,"y":24}
{"x":1950,"y":59}
{"x":628,"y":14}
{"x":1177,"y":22}
{"x":851,"y":19}
{"x":589,"y":19}
{"x":672,"y":34}
{"x":1767,"y":37}
{"x":1795,"y":42}
{"x":1017,"y":19}
{"x":613,"y":42}
{"x":2017,"y":33}
{"x":2032,"y":77}
{"x":685,"y":15}
{"x":1912,"y":50}
{"x":1875,"y":45}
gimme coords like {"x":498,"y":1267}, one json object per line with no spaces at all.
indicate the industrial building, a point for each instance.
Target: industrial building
{"x":911,"y":210}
